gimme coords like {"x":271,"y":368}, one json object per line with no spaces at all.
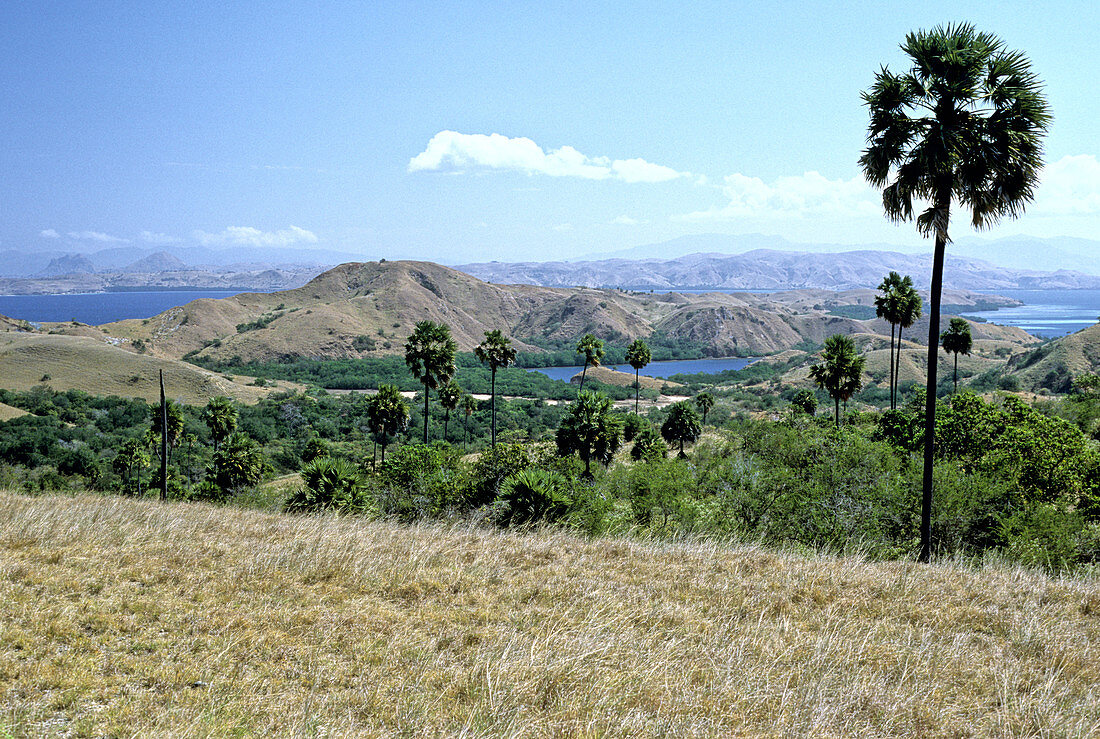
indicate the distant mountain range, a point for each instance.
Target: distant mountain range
{"x":769,"y":269}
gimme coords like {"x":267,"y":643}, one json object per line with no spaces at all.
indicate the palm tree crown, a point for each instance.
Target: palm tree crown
{"x":841,"y":372}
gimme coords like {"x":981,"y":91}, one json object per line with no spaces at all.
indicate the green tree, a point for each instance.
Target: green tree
{"x":637,"y":356}
{"x":805,"y":401}
{"x":704,"y":401}
{"x":430,"y":356}
{"x":129,"y":462}
{"x":220,"y":415}
{"x":957,"y":340}
{"x":964,"y":123}
{"x":239,"y":463}
{"x":648,"y":445}
{"x":449,"y":396}
{"x":387,"y":415}
{"x":329,"y":484}
{"x":592,"y":349}
{"x":590,"y":429}
{"x":840,"y":373}
{"x":682,"y":425}
{"x":496,"y":352}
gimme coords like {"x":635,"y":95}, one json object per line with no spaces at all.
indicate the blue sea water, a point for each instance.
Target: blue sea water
{"x":96,"y":308}
{"x":657,"y":369}
{"x":1047,"y":313}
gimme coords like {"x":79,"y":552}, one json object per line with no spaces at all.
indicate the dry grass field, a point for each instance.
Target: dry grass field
{"x":132,"y":618}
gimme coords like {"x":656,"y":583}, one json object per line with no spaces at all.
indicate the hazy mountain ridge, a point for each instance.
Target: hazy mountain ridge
{"x":767,"y":269}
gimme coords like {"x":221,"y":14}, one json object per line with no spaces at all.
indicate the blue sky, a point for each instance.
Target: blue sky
{"x":462,"y":131}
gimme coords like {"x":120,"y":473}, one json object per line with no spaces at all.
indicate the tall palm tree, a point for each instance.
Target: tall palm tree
{"x":430,"y":356}
{"x":965,"y":123}
{"x":957,"y":340}
{"x":909,"y":310}
{"x":496,"y":352}
{"x":637,"y":356}
{"x":841,"y":371}
{"x":886,"y":308}
{"x":592,"y":349}
{"x":449,"y":396}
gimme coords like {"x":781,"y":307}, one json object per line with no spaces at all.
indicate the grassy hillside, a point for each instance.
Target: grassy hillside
{"x":83,"y":363}
{"x":366,"y":309}
{"x":126,"y":618}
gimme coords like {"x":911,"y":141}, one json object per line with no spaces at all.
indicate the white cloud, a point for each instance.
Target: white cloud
{"x":809,"y":194}
{"x":96,"y":236}
{"x":1070,"y":186}
{"x":158,"y":238}
{"x":452,"y":150}
{"x":248,"y":236}
{"x":624,"y":221}
{"x":563,"y":227}
{"x":49,"y":233}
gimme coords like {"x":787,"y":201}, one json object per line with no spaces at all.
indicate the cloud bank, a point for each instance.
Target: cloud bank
{"x":809,"y":194}
{"x":248,"y":236}
{"x":453,"y":151}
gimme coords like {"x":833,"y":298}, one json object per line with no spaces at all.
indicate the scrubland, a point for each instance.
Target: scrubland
{"x":124,"y":617}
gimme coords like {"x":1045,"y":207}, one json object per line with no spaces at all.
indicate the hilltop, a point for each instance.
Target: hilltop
{"x":129,"y":617}
{"x":364,"y":309}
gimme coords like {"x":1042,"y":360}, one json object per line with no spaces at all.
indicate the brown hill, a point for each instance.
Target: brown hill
{"x":608,"y":376}
{"x":361,"y":309}
{"x":1054,"y":365}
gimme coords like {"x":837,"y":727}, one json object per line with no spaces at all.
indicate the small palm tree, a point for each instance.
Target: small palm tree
{"x":909,"y":310}
{"x":682,"y":425}
{"x":887,"y":308}
{"x":387,"y":415}
{"x":637,"y":356}
{"x":449,"y":396}
{"x":590,"y":429}
{"x":957,"y":340}
{"x":221,"y":417}
{"x":964,"y":124}
{"x":430,"y":356}
{"x":496,"y":352}
{"x":592,"y":349}
{"x":840,"y":373}
{"x":705,"y":401}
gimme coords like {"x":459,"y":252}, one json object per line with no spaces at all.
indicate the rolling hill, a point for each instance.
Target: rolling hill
{"x":361,"y":309}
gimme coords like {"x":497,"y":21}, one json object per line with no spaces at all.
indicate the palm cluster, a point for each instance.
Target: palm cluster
{"x":900,"y":306}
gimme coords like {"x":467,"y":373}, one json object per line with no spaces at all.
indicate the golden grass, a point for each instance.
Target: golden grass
{"x":96,"y":367}
{"x":8,"y":412}
{"x":132,"y":618}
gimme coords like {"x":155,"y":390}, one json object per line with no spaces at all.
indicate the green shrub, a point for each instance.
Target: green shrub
{"x":329,"y":484}
{"x":533,"y":495}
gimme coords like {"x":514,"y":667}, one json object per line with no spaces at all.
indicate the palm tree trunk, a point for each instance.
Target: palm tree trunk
{"x":446,"y":421}
{"x":383,"y":451}
{"x":583,"y":373}
{"x":893,"y":404}
{"x":930,"y":399}
{"x":425,"y":413}
{"x":636,"y":371}
{"x":493,"y":403}
{"x":897,"y":368}
{"x":956,"y":375}
{"x":163,"y":441}
{"x":836,"y":415}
